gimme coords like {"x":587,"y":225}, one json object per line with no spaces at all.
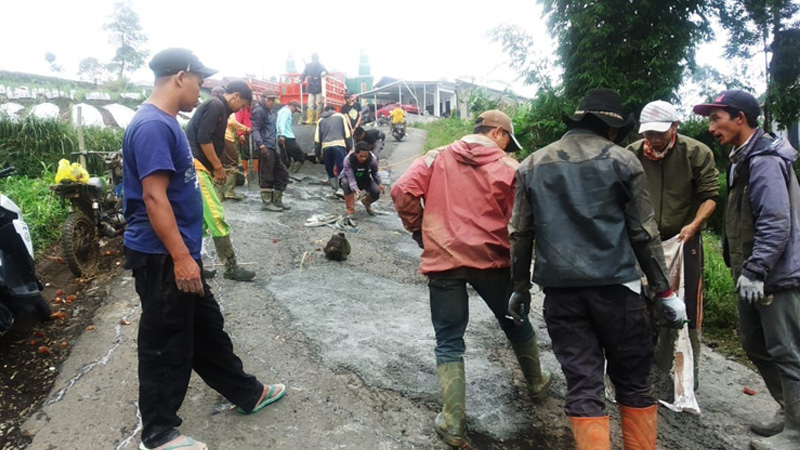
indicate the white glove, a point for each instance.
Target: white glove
{"x":750,"y":290}
{"x":674,"y":311}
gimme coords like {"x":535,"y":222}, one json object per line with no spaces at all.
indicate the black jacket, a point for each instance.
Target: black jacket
{"x":208,"y":125}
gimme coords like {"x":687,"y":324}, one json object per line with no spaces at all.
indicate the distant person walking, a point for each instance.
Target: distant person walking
{"x":181,"y":327}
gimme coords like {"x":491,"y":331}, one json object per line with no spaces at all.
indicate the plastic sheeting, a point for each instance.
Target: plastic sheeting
{"x":90,"y":116}
{"x":683,"y":366}
{"x":11,"y":110}
{"x":46,"y":111}
{"x":121,"y":113}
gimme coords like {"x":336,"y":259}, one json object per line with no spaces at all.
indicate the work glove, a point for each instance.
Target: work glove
{"x":519,"y":305}
{"x":750,"y":290}
{"x":674,"y":311}
{"x":417,"y":236}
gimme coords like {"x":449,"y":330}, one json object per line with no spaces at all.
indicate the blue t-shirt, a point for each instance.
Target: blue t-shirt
{"x":154,"y":141}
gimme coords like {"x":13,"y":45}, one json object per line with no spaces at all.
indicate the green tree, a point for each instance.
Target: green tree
{"x":90,"y":69}
{"x":637,"y":47}
{"x":127,"y":35}
{"x":50,"y":57}
{"x":768,"y":26}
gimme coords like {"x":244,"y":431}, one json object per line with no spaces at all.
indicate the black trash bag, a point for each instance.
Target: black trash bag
{"x":337,"y":248}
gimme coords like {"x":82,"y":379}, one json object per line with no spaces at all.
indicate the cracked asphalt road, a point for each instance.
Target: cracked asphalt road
{"x":354,"y":345}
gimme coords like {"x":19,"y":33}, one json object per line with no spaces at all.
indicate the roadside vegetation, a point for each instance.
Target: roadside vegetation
{"x":34,"y":148}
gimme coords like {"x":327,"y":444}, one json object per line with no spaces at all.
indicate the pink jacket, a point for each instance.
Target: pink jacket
{"x":467,"y":189}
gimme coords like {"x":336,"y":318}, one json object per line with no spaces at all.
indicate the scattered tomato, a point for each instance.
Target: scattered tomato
{"x":58,"y":300}
{"x":43,"y":350}
{"x":64,"y":343}
{"x":748,"y":391}
{"x":59,"y":293}
{"x":124,"y":322}
{"x":32,"y":342}
{"x":60,"y":315}
{"x":90,"y":328}
{"x":70,"y":299}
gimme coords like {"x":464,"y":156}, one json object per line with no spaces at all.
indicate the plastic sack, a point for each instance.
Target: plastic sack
{"x":683,"y":367}
{"x":71,"y":172}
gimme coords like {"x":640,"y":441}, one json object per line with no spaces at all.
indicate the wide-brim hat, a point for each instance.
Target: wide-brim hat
{"x":606,"y":105}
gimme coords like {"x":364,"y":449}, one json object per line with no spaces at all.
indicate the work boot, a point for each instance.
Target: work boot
{"x":211,"y":273}
{"x":769,"y":427}
{"x":449,"y":423}
{"x":295,"y":166}
{"x":639,"y":427}
{"x":789,"y":438}
{"x":227,"y":255}
{"x":277,"y":200}
{"x":309,"y":115}
{"x":367,"y":202}
{"x":230,"y":187}
{"x":266,"y":201}
{"x":528,"y":357}
{"x":350,"y":203}
{"x":590,"y":433}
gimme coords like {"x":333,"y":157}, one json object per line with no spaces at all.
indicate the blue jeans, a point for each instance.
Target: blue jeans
{"x":450,"y":308}
{"x":334,"y":157}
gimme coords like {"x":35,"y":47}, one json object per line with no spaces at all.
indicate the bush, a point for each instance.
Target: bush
{"x":445,"y":131}
{"x":719,"y":296}
{"x":41,"y":209}
{"x":32,"y":144}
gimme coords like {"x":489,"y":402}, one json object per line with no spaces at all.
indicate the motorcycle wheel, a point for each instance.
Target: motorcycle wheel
{"x":80,"y":244}
{"x":398,"y":136}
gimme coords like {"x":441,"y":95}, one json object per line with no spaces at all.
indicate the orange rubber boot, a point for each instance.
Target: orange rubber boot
{"x":244,"y":166}
{"x":639,"y":427}
{"x":350,"y":203}
{"x":591,"y":433}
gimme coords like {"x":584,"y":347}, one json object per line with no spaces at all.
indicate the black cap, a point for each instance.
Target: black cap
{"x":735,"y":99}
{"x":173,"y":60}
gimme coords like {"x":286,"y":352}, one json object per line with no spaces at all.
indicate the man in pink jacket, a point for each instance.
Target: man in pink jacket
{"x":467,"y":189}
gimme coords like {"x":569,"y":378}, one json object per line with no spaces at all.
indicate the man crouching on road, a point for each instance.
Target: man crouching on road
{"x":468,"y":192}
{"x":762,"y":248}
{"x":181,"y":327}
{"x":583,"y":200}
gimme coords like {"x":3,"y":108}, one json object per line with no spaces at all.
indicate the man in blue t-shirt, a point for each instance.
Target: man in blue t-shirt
{"x":181,"y":328}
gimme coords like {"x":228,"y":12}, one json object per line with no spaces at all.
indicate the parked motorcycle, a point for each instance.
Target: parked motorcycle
{"x":95,"y":210}
{"x":398,"y":131}
{"x":20,"y":290}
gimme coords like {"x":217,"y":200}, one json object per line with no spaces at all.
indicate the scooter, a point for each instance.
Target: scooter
{"x":398,"y":131}
{"x":20,"y":290}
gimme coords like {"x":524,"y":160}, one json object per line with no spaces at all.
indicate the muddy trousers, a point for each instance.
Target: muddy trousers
{"x":588,"y":326}
{"x":373,"y":189}
{"x":450,"y":308}
{"x":769,"y":336}
{"x":178,"y":333}
{"x":291,"y":151}
{"x":333,"y":158}
{"x":272,"y":173}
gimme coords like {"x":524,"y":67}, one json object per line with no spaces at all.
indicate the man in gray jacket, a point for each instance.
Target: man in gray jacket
{"x":583,"y":200}
{"x":762,"y":247}
{"x":332,"y":141}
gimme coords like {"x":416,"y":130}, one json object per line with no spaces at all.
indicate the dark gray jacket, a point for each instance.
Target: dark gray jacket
{"x":762,"y":216}
{"x":584,"y":201}
{"x":265,"y":131}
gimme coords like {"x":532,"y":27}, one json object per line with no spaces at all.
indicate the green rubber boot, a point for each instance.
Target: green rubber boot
{"x":789,"y":438}
{"x":449,"y":423}
{"x":227,"y":255}
{"x":538,"y":380}
{"x":266,"y":201}
{"x":277,"y":200}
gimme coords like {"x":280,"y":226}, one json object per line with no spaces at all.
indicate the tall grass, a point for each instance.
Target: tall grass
{"x":32,"y":144}
{"x":445,"y":131}
{"x":41,"y":209}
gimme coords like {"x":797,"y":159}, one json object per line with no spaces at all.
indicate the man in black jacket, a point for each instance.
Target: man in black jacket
{"x":584,"y":200}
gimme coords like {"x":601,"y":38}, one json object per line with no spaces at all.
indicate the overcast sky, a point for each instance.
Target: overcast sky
{"x":410,"y":39}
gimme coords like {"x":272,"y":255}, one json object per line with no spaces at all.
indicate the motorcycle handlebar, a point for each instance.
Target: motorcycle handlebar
{"x":7,"y":172}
